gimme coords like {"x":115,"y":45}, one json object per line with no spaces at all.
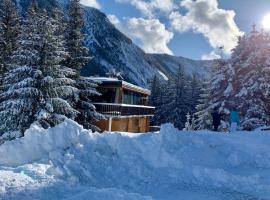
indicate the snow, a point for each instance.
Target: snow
{"x":68,"y":162}
{"x":123,"y":83}
{"x":104,"y":79}
{"x":228,"y":90}
{"x":243,"y":92}
{"x":124,"y":105}
{"x":163,"y":75}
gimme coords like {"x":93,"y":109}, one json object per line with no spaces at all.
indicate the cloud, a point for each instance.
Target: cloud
{"x":152,"y":33}
{"x":91,"y":3}
{"x":211,"y":56}
{"x":148,"y":8}
{"x":204,"y":16}
{"x":114,"y":19}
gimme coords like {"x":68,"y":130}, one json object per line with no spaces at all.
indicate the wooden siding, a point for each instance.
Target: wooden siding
{"x":132,"y":124}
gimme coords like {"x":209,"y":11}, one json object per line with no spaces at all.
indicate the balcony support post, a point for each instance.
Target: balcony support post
{"x":110,"y":124}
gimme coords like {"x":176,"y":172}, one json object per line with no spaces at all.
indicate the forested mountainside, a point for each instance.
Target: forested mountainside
{"x":109,"y":48}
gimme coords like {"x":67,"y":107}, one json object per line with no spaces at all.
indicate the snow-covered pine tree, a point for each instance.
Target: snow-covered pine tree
{"x":77,"y":58}
{"x":188,"y":123}
{"x":176,"y":106}
{"x":154,"y":87}
{"x":221,"y":86}
{"x":78,"y":53}
{"x":1,"y":37}
{"x":9,"y":30}
{"x":162,"y":100}
{"x":55,"y":83}
{"x":160,"y":116}
{"x":194,"y":93}
{"x":20,"y":96}
{"x":214,"y":94}
{"x":37,"y":84}
{"x":202,"y":116}
{"x":242,"y":84}
{"x":48,"y":5}
{"x":251,"y":62}
{"x":156,"y":98}
{"x":87,"y":112}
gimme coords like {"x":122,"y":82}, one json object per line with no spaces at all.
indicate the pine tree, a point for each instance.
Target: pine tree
{"x":9,"y":30}
{"x":252,"y":88}
{"x":242,"y":83}
{"x":1,"y":35}
{"x":194,"y":93}
{"x":162,"y":112}
{"x":20,"y":95}
{"x":37,"y":85}
{"x":78,"y":54}
{"x":188,"y":124}
{"x":156,"y":98}
{"x":221,"y":86}
{"x":47,"y":5}
{"x":87,"y":115}
{"x":176,"y":106}
{"x":175,"y":98}
{"x":202,"y":116}
{"x":77,"y":58}
{"x":161,"y":101}
{"x":55,"y":84}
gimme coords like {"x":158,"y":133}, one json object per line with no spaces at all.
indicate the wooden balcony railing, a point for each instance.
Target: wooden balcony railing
{"x":118,"y":110}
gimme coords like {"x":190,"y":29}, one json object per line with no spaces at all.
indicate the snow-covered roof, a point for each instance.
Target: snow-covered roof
{"x":103,"y":79}
{"x":121,"y":83}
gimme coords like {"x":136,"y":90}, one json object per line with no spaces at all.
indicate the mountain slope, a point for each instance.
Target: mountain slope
{"x":112,"y":49}
{"x":169,"y":64}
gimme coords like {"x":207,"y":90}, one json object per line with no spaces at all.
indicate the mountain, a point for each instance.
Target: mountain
{"x":112,"y":49}
{"x":109,"y":48}
{"x":168,"y":64}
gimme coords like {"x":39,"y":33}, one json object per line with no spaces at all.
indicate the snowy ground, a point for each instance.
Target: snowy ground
{"x":67,"y":162}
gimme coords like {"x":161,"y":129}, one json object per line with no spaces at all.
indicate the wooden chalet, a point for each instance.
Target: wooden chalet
{"x":124,"y":106}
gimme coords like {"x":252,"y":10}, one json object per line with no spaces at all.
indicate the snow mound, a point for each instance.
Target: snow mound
{"x":165,"y":165}
{"x":38,"y":143}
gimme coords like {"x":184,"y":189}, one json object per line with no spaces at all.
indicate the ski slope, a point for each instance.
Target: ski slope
{"x":68,"y":162}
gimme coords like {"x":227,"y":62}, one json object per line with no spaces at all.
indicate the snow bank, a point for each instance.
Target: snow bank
{"x":165,"y":165}
{"x":38,"y":143}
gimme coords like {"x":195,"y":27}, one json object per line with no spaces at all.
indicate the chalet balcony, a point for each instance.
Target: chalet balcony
{"x":123,"y":110}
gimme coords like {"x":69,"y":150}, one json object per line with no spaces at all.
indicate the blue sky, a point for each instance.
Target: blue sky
{"x":189,"y":28}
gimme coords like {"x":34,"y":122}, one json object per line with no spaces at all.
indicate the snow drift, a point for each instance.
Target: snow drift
{"x":68,"y":162}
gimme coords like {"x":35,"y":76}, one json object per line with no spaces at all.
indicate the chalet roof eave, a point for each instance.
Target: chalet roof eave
{"x":120,"y":83}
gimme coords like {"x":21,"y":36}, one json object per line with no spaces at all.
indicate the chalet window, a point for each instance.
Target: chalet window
{"x":108,"y":95}
{"x":133,"y":98}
